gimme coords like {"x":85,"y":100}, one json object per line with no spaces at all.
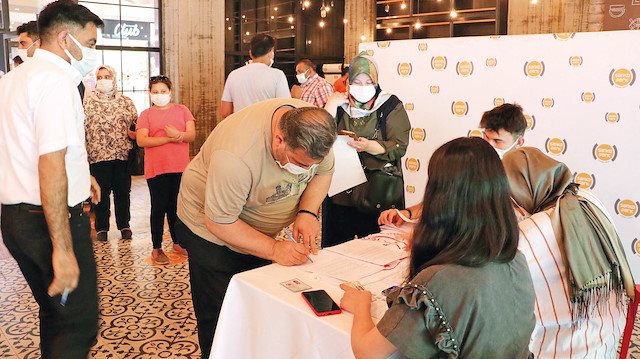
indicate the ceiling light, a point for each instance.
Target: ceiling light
{"x":345,"y":21}
{"x":363,"y":37}
{"x":388,"y":30}
{"x":321,"y":24}
{"x":290,"y":19}
{"x":453,"y":13}
{"x":403,"y":6}
{"x":417,"y":25}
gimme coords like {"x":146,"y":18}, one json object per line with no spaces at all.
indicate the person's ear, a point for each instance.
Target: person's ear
{"x":520,"y":141}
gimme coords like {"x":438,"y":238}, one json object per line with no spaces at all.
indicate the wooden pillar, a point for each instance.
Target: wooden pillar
{"x":361,"y":21}
{"x":193,"y":57}
{"x":548,"y":16}
{"x":595,"y":18}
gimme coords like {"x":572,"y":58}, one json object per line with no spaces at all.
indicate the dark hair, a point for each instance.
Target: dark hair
{"x":18,"y":60}
{"x":345,"y":70}
{"x":508,"y":117}
{"x":309,"y":128}
{"x":467,"y":216}
{"x":160,"y":78}
{"x":64,"y":12}
{"x":261,"y":44}
{"x":308,"y":64}
{"x":31,"y":28}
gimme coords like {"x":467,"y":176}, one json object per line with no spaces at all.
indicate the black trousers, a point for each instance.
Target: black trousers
{"x":112,"y":176}
{"x":164,"y":201}
{"x":210,"y":270}
{"x":65,"y":331}
{"x":342,"y":223}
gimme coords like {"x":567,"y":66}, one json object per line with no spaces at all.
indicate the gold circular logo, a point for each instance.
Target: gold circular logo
{"x":411,"y":189}
{"x":498,"y":101}
{"x":434,"y":89}
{"x":465,"y":68}
{"x":534,"y":68}
{"x":622,"y":77}
{"x":404,"y":69}
{"x":492,"y":62}
{"x":530,"y":121}
{"x":409,"y":106}
{"x":413,"y":164}
{"x":384,"y":43}
{"x":612,"y":117}
{"x":418,"y":134}
{"x":564,"y":35}
{"x":370,"y":52}
{"x":588,"y":96}
{"x":636,"y":246}
{"x":627,"y":208}
{"x":438,"y":63}
{"x":547,"y":102}
{"x":555,"y":146}
{"x":605,"y":152}
{"x":575,"y":60}
{"x":422,"y":46}
{"x":476,"y":133}
{"x":460,"y":108}
{"x":584,"y":180}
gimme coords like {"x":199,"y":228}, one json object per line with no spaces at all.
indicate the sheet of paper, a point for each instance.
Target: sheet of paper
{"x":348,"y":170}
{"x":340,"y":267}
{"x":379,"y":248}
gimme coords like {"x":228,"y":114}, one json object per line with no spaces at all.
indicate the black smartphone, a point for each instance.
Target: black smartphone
{"x":321,"y":303}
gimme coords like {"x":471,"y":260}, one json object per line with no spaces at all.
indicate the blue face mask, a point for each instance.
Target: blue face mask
{"x":89,"y":58}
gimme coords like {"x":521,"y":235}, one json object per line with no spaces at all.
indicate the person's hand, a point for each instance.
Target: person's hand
{"x":131,"y":134}
{"x":288,"y":253}
{"x":171,"y":131}
{"x":309,"y":227}
{"x":354,"y":300}
{"x":178,"y":138}
{"x":362,"y":144}
{"x":65,"y":271}
{"x":391,"y":216}
{"x":95,"y":191}
{"x":338,"y":98}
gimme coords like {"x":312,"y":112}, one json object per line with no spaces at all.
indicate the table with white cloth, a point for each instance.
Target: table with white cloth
{"x":260,"y":318}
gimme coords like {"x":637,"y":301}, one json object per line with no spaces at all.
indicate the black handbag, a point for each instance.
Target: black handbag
{"x":135,"y":158}
{"x":384,"y":188}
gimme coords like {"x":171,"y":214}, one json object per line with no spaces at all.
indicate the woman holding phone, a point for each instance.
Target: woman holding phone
{"x":469,"y":293}
{"x":164,"y":130}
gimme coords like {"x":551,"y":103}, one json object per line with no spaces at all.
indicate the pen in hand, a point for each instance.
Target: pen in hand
{"x":294,"y":241}
{"x":63,"y":300}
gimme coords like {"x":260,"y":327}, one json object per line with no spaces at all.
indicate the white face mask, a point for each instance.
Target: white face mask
{"x":161,"y":99}
{"x":501,"y":153}
{"x":105,"y":86}
{"x":24,"y":53}
{"x":295,"y":169}
{"x":89,"y":58}
{"x":302,"y":78}
{"x":272,"y":59}
{"x":362,"y":94}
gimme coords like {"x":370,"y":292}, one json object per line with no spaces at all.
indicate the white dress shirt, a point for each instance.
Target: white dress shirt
{"x":253,"y":83}
{"x":41,"y":112}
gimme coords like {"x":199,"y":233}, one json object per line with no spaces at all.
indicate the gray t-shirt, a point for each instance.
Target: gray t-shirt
{"x":253,"y":83}
{"x":235,"y":176}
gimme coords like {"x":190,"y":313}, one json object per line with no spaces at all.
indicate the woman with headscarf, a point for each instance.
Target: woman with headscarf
{"x":108,"y":118}
{"x":579,"y":269}
{"x":382,"y":127}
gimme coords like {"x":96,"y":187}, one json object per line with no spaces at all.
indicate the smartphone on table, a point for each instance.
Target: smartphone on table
{"x":350,"y":134}
{"x":321,"y":303}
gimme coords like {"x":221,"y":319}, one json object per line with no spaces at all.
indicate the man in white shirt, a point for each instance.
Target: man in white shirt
{"x":28,"y":40}
{"x":256,"y":81}
{"x":45,"y":179}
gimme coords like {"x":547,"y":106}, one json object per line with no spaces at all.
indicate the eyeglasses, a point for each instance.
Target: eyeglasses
{"x":158,"y":78}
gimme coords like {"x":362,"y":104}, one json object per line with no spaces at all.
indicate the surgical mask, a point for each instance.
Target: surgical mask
{"x":272,"y":60}
{"x":295,"y":169}
{"x":302,"y":78}
{"x":23,"y":53}
{"x":105,"y":86}
{"x":362,"y":94}
{"x":89,"y":58}
{"x":501,"y":153}
{"x":161,"y":99}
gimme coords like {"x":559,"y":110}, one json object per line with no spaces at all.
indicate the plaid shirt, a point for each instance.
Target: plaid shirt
{"x":316,"y":91}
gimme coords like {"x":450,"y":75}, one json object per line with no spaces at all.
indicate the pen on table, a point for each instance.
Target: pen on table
{"x":63,"y":300}
{"x":294,"y":241}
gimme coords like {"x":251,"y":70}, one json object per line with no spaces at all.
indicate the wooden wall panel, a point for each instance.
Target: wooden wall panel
{"x":361,"y":16}
{"x":193,"y":53}
{"x":548,"y":16}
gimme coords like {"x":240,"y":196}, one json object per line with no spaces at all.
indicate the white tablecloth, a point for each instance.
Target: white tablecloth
{"x":262,"y":319}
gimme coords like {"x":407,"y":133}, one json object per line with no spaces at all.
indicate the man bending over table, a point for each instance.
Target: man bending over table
{"x":260,"y":170}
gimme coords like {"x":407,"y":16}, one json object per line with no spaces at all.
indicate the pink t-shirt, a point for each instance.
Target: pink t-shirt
{"x":170,"y":157}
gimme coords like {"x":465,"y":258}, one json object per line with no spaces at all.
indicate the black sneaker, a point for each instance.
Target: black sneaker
{"x":126,"y":233}
{"x":101,"y":236}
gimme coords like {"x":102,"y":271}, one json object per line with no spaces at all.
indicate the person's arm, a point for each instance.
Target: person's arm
{"x":143,"y":139}
{"x":53,"y":194}
{"x":306,"y":224}
{"x":133,"y":115}
{"x":189,"y":135}
{"x":282,"y":87}
{"x":240,"y":235}
{"x":335,"y":100}
{"x":226,"y":109}
{"x":391,"y":216}
{"x":370,"y":146}
{"x":398,"y":128}
{"x":366,"y":340}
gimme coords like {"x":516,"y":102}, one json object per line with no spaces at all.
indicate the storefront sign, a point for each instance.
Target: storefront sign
{"x":128,"y":30}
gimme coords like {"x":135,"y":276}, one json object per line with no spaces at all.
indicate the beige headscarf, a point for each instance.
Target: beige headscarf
{"x":102,"y":96}
{"x":593,"y":253}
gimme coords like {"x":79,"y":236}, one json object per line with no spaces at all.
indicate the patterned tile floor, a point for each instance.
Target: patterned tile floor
{"x":146,"y":310}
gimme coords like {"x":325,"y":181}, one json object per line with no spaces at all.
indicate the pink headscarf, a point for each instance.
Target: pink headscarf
{"x":113,"y":78}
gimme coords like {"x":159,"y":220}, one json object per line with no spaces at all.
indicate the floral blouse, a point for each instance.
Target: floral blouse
{"x":106,"y":123}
